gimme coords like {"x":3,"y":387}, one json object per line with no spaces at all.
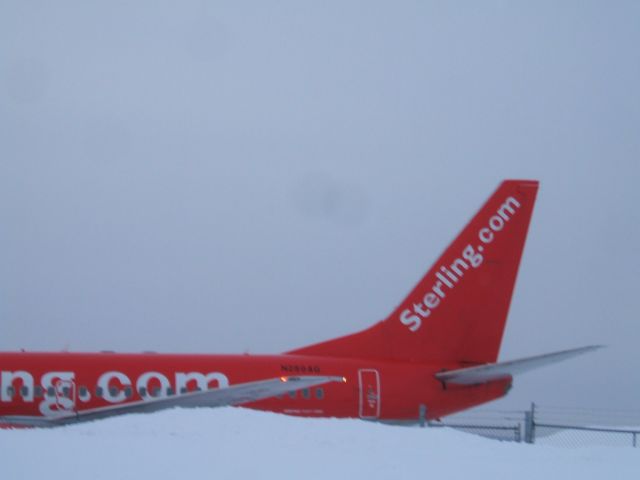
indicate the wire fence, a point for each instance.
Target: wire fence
{"x":496,"y":432}
{"x":557,"y":426}
{"x":575,"y":436}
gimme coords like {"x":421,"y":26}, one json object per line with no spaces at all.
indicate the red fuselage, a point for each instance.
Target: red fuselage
{"x":35,"y":384}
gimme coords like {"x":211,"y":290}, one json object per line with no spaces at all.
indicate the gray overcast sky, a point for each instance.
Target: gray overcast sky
{"x":229,"y":177}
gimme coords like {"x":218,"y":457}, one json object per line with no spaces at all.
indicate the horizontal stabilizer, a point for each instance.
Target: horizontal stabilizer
{"x":501,"y":370}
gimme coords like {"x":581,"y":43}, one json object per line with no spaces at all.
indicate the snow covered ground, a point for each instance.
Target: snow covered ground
{"x":239,"y":443}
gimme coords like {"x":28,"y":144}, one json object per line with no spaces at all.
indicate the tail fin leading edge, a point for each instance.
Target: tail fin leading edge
{"x":457,"y":312}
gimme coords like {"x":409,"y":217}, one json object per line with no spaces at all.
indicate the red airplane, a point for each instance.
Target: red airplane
{"x":433,"y":356}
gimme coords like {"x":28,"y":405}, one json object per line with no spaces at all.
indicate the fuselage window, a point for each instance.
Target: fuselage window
{"x":306,"y":393}
{"x":66,"y":392}
{"x":83,"y":391}
{"x":155,"y":392}
{"x":99,"y":392}
{"x":320,"y":393}
{"x":292,"y":394}
{"x":128,"y":392}
{"x":11,"y":391}
{"x":51,"y":391}
{"x":142,"y":391}
{"x":113,"y":391}
{"x":24,"y":391}
{"x":38,"y":391}
{"x":183,"y":390}
{"x":170,"y":391}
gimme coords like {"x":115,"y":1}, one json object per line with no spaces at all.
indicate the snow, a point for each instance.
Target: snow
{"x":243,"y":443}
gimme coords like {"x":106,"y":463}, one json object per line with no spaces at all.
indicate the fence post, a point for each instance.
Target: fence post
{"x":529,"y":424}
{"x":423,"y":414}
{"x":533,"y":422}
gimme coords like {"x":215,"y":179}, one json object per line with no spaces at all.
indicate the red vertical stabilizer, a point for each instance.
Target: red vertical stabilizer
{"x":457,"y":312}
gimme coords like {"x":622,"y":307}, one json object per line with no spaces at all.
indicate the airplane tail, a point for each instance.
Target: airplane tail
{"x":457,"y":312}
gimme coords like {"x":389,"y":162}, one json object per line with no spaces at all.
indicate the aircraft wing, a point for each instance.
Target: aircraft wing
{"x":217,"y":397}
{"x":501,"y":370}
